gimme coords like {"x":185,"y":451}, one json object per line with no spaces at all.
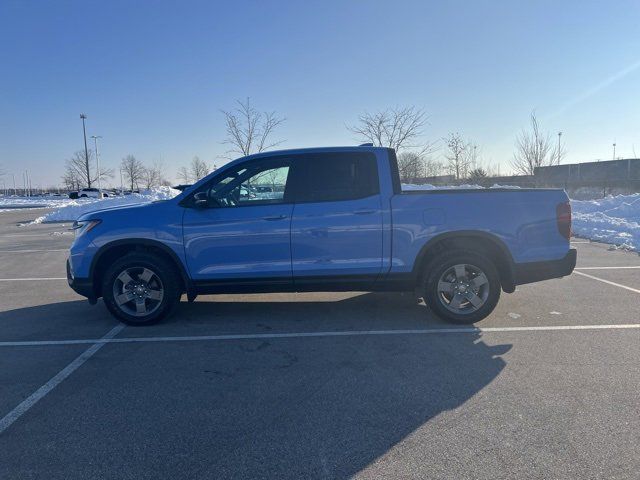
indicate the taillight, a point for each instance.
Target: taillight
{"x":563,"y":217}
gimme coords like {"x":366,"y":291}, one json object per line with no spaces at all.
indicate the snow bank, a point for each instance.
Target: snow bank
{"x":73,"y":209}
{"x":428,"y":186}
{"x":13,"y":202}
{"x":614,"y":219}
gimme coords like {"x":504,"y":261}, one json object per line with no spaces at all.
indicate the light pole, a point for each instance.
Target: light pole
{"x":614,"y":151}
{"x":86,"y":150}
{"x":15,"y":192}
{"x":559,"y":136}
{"x":95,"y":144}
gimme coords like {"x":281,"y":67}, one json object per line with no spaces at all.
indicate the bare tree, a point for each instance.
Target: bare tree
{"x":457,"y":155}
{"x":153,"y":176}
{"x":534,"y":149}
{"x":249,"y":130}
{"x":71,"y":180}
{"x":133,"y":170}
{"x":198,"y":169}
{"x":410,"y":166}
{"x":78,"y":171}
{"x":474,"y":156}
{"x":183,"y":175}
{"x":432,"y":168}
{"x":397,"y":128}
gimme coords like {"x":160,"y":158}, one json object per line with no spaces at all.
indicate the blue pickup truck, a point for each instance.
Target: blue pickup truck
{"x":322,"y":219}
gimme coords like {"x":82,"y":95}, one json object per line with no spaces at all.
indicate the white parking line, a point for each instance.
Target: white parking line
{"x":346,"y":333}
{"x":607,"y":268}
{"x":45,"y":234}
{"x":32,"y":399}
{"x":578,"y":243}
{"x":30,"y":279}
{"x":635,"y":290}
{"x":33,"y":251}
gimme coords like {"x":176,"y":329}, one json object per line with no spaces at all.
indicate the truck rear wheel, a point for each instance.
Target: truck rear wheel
{"x":141,"y":289}
{"x":461,"y":287}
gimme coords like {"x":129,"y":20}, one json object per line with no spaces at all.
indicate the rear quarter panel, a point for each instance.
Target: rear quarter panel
{"x":525,"y":221}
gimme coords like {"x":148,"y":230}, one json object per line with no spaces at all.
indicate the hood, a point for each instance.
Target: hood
{"x":134,"y":208}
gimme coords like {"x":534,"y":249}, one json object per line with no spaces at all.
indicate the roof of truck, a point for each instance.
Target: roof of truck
{"x":295,"y":151}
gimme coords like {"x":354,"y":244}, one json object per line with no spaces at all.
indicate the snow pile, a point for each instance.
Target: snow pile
{"x":614,"y":219}
{"x":48,"y":201}
{"x":428,"y":186}
{"x":75,"y":208}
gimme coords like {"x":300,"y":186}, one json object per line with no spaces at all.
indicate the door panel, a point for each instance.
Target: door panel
{"x":337,"y":238}
{"x":244,"y":231}
{"x":336,"y":228}
{"x":237,"y":243}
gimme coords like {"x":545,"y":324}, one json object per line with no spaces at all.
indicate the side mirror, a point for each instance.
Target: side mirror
{"x":200,"y":200}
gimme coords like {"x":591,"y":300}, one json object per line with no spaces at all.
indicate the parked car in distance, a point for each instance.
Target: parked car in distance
{"x":92,"y":193}
{"x":340,"y":222}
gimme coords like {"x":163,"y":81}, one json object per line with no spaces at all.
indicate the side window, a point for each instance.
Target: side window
{"x":333,"y":177}
{"x":257,"y":183}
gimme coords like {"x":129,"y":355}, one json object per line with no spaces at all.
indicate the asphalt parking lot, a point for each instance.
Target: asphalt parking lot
{"x":320,"y":385}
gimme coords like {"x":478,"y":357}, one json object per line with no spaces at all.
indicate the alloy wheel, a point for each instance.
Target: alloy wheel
{"x":138,"y":291}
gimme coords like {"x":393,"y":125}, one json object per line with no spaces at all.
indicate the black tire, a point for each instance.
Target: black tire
{"x":165,"y":279}
{"x":442,"y":303}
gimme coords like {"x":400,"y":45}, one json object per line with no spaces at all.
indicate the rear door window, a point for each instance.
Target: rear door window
{"x":330,"y":177}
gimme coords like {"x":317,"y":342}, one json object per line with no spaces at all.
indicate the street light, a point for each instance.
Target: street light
{"x":86,"y":150}
{"x":559,"y":135}
{"x":614,"y":151}
{"x":95,"y":144}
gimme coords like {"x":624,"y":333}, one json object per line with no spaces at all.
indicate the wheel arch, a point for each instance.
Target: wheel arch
{"x":117,"y":248}
{"x":482,"y":242}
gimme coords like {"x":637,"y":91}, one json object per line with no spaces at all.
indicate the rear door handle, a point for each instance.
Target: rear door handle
{"x":275,"y":217}
{"x":364,"y":212}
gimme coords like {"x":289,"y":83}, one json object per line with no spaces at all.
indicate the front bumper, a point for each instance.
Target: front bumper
{"x":82,"y":286}
{"x":537,"y":271}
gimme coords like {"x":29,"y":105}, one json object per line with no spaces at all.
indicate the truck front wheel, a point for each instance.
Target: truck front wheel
{"x":140,"y":288}
{"x":461,"y":287}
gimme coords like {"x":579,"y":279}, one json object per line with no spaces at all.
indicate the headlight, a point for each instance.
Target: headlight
{"x":82,"y":227}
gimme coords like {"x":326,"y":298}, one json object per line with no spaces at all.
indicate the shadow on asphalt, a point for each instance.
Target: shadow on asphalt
{"x":303,"y":309}
{"x":283,"y":408}
{"x":211,"y":315}
{"x":330,"y":408}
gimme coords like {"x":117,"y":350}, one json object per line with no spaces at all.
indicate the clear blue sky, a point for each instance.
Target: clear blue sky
{"x":152,"y":76}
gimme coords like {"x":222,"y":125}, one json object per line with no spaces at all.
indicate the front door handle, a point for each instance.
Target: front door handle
{"x":364,"y":212}
{"x":275,"y":217}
